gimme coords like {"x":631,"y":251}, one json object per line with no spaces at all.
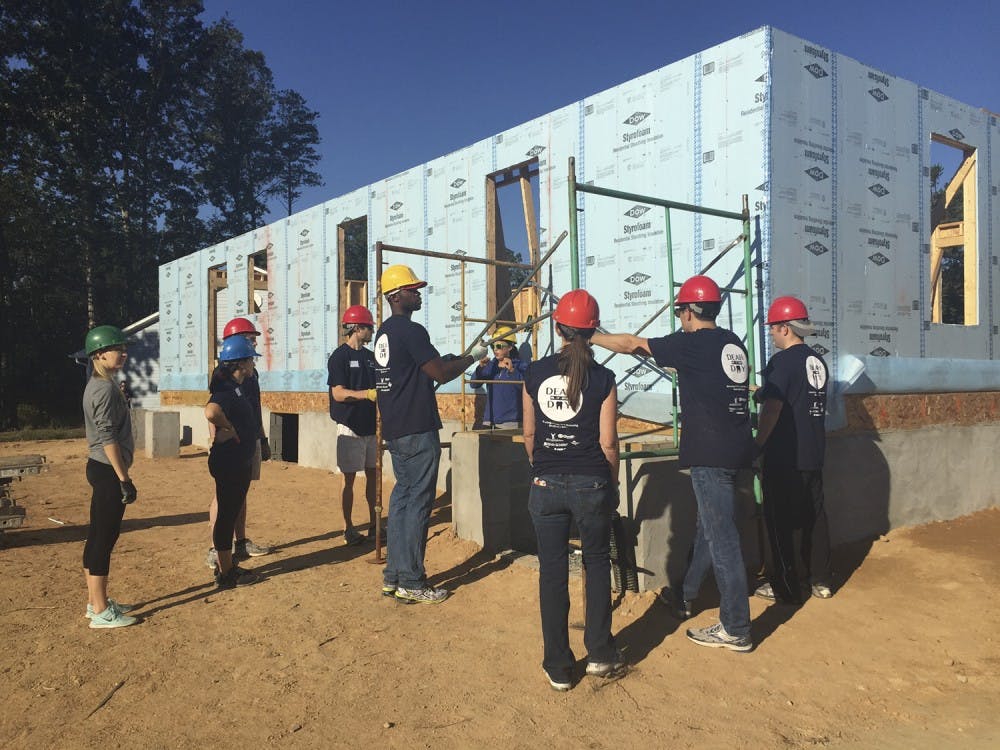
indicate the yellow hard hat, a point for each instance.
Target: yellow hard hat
{"x":504,"y":333}
{"x":399,"y":277}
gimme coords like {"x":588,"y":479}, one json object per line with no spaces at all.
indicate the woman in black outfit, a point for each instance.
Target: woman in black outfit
{"x":571,"y":436}
{"x":231,"y":457}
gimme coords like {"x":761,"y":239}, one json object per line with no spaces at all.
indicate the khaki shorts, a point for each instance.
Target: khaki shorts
{"x":354,"y":453}
{"x":255,"y":464}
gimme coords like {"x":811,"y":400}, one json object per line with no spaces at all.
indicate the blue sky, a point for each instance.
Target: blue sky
{"x":399,"y":83}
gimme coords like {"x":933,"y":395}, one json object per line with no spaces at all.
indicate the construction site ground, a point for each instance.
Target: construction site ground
{"x":905,"y":655}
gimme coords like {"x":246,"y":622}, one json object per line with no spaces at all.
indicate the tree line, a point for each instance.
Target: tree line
{"x":132,"y":133}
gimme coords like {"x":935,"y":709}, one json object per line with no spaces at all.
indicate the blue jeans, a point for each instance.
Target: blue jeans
{"x":415,"y":460}
{"x":555,"y":501}
{"x":715,"y":493}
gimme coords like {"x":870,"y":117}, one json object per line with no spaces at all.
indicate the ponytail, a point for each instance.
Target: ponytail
{"x":575,"y":359}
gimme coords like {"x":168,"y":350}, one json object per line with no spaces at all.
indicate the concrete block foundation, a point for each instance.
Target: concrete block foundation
{"x":162,"y":434}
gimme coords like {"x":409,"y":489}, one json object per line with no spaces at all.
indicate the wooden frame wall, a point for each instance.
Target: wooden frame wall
{"x":958,"y":233}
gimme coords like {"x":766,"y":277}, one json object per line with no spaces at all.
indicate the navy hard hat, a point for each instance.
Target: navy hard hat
{"x":236,"y":347}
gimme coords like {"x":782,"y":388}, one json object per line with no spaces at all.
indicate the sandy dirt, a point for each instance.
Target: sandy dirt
{"x":906,"y":655}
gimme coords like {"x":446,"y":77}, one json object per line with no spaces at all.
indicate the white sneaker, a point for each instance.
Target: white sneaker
{"x":123,"y":608}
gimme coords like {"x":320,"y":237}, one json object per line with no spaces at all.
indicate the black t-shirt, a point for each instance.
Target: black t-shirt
{"x":405,"y":393}
{"x":567,"y":439}
{"x":353,"y":369}
{"x":712,"y":373}
{"x":798,"y":377}
{"x":235,"y":403}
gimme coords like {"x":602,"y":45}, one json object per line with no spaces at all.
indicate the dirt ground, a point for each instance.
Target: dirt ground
{"x":906,"y":655}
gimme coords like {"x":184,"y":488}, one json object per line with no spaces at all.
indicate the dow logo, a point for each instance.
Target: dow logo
{"x":817,"y":174}
{"x":957,"y":134}
{"x":820,"y":350}
{"x":304,"y":233}
{"x":458,"y":183}
{"x":396,"y":206}
{"x":817,"y":70}
{"x":879,"y":352}
{"x":637,"y":278}
{"x":635,"y":118}
{"x":879,"y":189}
{"x":878,"y":94}
{"x":878,"y":259}
{"x":535,"y":151}
{"x":305,"y":286}
{"x":457,"y":306}
{"x":636,"y":211}
{"x":817,"y":248}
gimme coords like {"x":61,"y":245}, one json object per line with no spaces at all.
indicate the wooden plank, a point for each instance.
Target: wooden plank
{"x":970,"y":242}
{"x":494,"y":232}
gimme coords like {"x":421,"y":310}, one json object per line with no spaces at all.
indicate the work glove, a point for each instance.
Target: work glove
{"x":371,"y":394}
{"x":479,"y":351}
{"x":129,"y":492}
{"x":265,"y":449}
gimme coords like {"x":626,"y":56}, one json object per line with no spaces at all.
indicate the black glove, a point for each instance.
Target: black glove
{"x":265,"y":449}
{"x":129,"y":492}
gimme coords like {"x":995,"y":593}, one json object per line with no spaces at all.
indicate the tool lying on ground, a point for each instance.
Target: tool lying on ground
{"x":15,"y":467}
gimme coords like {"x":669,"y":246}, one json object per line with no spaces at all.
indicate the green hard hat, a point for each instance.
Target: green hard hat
{"x":102,"y":337}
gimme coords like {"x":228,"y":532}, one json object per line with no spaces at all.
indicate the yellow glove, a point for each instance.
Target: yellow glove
{"x":370,"y":394}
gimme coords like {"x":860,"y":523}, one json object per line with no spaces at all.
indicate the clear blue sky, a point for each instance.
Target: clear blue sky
{"x":399,"y":83}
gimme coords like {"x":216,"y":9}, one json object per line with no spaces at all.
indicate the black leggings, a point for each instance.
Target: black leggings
{"x":231,"y":486}
{"x":106,"y":512}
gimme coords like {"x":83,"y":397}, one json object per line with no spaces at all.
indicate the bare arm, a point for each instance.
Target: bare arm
{"x":344,"y":395}
{"x":623,"y":343}
{"x":767,"y":419}
{"x":609,"y":432}
{"x":528,"y":420}
{"x":114,"y":454}
{"x":442,"y":370}
{"x":223,"y":428}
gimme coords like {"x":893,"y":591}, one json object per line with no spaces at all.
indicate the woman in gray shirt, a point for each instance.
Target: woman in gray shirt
{"x":110,"y":448}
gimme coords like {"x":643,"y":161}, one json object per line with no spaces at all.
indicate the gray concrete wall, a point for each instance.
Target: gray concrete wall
{"x":874,"y":482}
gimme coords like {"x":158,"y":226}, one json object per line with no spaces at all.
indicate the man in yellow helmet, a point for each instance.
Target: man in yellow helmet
{"x":407,"y":366}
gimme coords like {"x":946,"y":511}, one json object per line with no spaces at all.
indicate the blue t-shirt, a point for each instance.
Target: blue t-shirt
{"x":713,"y":377}
{"x":567,"y":436}
{"x":503,"y":402}
{"x":235,"y":403}
{"x":406,"y":397}
{"x":798,"y":377}
{"x":353,"y":369}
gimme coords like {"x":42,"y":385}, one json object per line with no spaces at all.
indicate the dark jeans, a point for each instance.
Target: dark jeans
{"x":555,"y":501}
{"x":793,"y":500}
{"x":106,"y":513}
{"x":715,"y":492}
{"x":232,"y":481}
{"x":415,"y":460}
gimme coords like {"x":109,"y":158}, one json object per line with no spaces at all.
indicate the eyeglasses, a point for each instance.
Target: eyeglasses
{"x":678,"y":310}
{"x":501,"y":346}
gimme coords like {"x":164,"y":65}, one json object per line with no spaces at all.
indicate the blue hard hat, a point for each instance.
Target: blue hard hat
{"x":236,"y":347}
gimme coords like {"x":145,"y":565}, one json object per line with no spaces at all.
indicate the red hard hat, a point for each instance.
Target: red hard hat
{"x":698,"y":289}
{"x":784,"y":309}
{"x":357,"y":314}
{"x":239,"y":325}
{"x":577,"y":309}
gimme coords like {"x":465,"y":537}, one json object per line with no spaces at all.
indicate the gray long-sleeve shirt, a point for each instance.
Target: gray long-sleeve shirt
{"x":107,"y":420}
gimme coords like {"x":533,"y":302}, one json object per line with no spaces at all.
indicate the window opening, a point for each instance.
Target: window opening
{"x":219,"y":309}
{"x":512,"y":234}
{"x":257,"y":276}
{"x":352,"y":243}
{"x":954,"y":245}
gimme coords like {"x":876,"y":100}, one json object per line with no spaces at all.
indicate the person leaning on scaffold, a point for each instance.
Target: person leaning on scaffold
{"x":407,"y":365}
{"x":571,"y":437}
{"x":716,"y":442}
{"x":110,"y":449}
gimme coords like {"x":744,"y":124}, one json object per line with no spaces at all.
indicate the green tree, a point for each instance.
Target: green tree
{"x":294,"y":138}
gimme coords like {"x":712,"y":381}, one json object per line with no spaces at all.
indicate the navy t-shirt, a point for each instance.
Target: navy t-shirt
{"x":353,"y":369}
{"x":235,"y":403}
{"x":405,"y":392}
{"x":713,"y":377}
{"x":251,"y":389}
{"x":798,"y":377}
{"x":567,"y":436}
